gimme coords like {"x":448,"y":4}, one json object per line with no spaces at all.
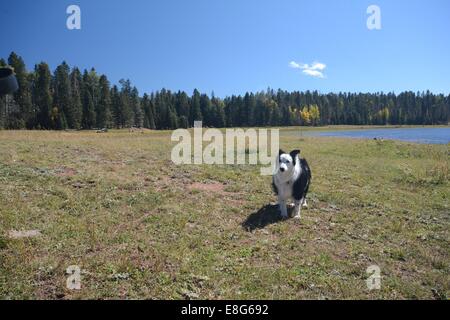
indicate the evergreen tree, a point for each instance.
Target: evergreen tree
{"x":75,"y":109}
{"x":173,"y":120}
{"x":89,"y":92}
{"x":149,"y":120}
{"x":275,"y":114}
{"x":23,"y":117}
{"x":196,"y":113}
{"x":250,"y":103}
{"x":127,"y":117}
{"x":206,"y":110}
{"x":116,"y":107}
{"x":42,"y":96}
{"x":103,"y":110}
{"x":136,"y":108}
{"x":218,"y":113}
{"x":182,"y":108}
{"x":2,"y":101}
{"x":62,"y":96}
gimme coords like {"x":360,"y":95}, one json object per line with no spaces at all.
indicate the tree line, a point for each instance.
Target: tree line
{"x":70,"y":99}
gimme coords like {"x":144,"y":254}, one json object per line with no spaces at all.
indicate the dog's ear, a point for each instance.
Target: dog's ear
{"x":294,"y":153}
{"x":281,"y":152}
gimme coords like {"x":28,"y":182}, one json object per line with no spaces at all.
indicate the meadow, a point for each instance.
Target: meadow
{"x":141,"y":227}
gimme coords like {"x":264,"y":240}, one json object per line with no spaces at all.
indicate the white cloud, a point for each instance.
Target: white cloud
{"x":313,"y":70}
{"x":313,"y":73}
{"x":294,"y":65}
{"x":318,"y":66}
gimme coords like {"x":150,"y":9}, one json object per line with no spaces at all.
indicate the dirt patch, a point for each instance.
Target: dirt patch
{"x":84,"y":184}
{"x":210,"y":187}
{"x":66,"y":172}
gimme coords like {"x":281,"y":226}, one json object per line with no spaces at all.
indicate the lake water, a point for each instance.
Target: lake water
{"x":419,"y":135}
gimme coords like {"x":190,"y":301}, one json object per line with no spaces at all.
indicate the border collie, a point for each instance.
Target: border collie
{"x":291,"y":180}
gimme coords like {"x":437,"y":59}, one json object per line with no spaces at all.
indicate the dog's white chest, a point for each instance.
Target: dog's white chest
{"x":285,"y":190}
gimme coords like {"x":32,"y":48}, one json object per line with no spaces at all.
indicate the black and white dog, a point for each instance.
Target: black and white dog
{"x":291,"y":181}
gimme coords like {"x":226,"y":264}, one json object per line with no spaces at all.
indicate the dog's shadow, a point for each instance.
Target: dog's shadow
{"x":267,"y":215}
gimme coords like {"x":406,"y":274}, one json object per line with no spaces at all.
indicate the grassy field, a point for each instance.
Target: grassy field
{"x":141,"y":227}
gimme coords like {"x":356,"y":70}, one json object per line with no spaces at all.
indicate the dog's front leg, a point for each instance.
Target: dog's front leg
{"x":283,"y":208}
{"x":304,"y":204}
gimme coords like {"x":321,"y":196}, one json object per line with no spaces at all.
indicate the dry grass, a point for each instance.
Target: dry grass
{"x":141,"y":227}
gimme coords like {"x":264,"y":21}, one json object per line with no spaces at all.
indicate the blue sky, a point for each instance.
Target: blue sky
{"x":234,"y":46}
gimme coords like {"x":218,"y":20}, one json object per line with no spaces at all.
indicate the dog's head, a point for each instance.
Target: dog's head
{"x":287,"y":162}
